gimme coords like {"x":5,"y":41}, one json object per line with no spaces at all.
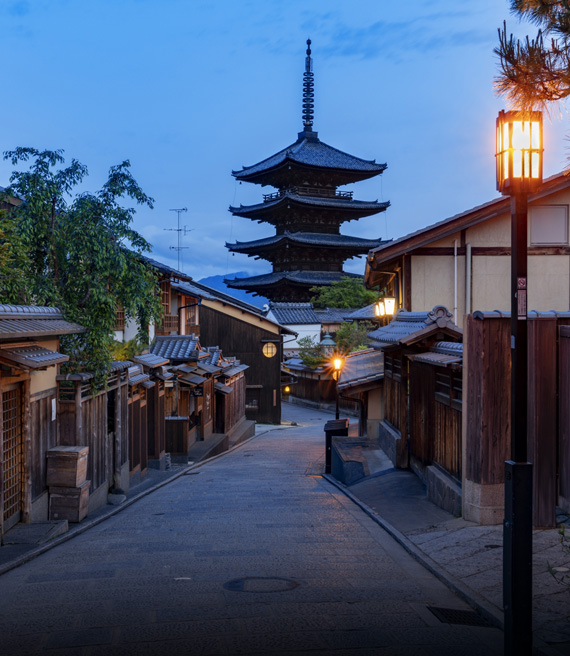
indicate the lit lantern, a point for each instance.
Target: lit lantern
{"x":519,"y":152}
{"x":385,"y":306}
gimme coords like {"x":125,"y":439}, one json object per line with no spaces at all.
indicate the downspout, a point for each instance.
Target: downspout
{"x":455,"y":282}
{"x":468,"y":279}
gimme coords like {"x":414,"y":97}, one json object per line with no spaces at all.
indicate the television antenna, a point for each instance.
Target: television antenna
{"x":181,"y":232}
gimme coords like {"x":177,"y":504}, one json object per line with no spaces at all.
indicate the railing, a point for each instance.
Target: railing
{"x":169,"y":324}
{"x":308,"y":191}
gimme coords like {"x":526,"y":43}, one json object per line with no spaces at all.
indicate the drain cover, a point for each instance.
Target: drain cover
{"x":455,"y":616}
{"x":261,"y":584}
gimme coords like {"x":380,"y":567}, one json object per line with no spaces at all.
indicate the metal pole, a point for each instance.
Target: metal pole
{"x":517,"y":528}
{"x":337,"y":413}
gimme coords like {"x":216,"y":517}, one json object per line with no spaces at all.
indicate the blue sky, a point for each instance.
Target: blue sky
{"x":190,"y":90}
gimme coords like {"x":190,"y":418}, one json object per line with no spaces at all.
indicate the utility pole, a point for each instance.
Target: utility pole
{"x":179,"y":230}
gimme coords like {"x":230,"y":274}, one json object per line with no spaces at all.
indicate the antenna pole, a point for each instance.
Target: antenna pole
{"x":178,"y":229}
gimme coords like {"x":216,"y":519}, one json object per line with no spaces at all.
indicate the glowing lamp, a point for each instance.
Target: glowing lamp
{"x":337,"y":364}
{"x":380,"y":309}
{"x":519,"y":152}
{"x":389,"y":305}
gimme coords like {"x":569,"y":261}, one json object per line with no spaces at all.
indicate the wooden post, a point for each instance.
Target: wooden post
{"x":1,"y":467}
{"x":118,"y":433}
{"x":78,"y":415}
{"x":26,"y":429}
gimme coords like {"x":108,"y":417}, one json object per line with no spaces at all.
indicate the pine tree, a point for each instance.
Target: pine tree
{"x":534,"y":73}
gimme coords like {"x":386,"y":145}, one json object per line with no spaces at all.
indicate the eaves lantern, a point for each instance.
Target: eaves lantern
{"x":519,"y":152}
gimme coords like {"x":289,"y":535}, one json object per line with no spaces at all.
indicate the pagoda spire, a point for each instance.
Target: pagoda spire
{"x":308,"y":91}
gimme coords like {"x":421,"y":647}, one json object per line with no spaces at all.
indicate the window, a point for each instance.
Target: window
{"x":549,"y":225}
{"x":252,"y":397}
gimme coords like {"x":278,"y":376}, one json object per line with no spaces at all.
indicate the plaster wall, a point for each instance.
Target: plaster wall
{"x":43,"y":380}
{"x":494,"y":232}
{"x":491,"y":283}
{"x":433,"y":283}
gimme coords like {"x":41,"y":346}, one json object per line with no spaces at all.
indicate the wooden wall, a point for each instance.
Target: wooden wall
{"x":245,"y":341}
{"x":43,"y":437}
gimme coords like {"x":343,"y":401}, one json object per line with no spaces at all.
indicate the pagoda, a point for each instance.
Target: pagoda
{"x":307,"y":211}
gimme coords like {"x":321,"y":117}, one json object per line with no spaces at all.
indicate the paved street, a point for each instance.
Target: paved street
{"x":249,"y":553}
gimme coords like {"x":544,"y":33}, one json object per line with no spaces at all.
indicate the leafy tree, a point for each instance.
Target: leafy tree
{"x":82,"y":255}
{"x":535,"y":73}
{"x":353,"y":336}
{"x":346,"y":293}
{"x":14,"y":280}
{"x":311,"y":352}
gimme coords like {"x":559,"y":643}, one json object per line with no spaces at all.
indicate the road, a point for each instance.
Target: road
{"x":250,"y":553}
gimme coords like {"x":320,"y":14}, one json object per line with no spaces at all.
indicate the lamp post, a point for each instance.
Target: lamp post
{"x":338,"y":364}
{"x":519,"y":172}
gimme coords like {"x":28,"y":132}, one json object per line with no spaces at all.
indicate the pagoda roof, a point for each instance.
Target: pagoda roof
{"x":317,"y":239}
{"x":343,"y":203}
{"x":310,"y":152}
{"x":293,"y":277}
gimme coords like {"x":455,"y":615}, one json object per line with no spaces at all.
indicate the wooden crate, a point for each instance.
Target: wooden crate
{"x":66,"y":466}
{"x":69,"y":502}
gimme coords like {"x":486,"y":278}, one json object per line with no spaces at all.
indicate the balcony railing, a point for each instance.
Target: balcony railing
{"x":120,"y":320}
{"x":308,"y":191}
{"x":169,"y":325}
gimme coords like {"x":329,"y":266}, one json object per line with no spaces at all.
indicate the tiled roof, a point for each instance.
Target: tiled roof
{"x":34,"y":357}
{"x":408,"y":327}
{"x":441,"y":354}
{"x":332,"y":315}
{"x":312,"y":152}
{"x":164,"y":268}
{"x":307,"y":239}
{"x":366,"y":313}
{"x":361,"y":368}
{"x":30,"y":321}
{"x":333,"y":202}
{"x":294,"y":313}
{"x":150,"y":360}
{"x":300,"y":277}
{"x":233,"y":371}
{"x":180,"y":348}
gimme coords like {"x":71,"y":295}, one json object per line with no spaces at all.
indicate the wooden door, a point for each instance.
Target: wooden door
{"x":13,"y":456}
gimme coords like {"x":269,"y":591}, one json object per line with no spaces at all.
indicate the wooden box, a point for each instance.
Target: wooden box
{"x":66,"y":466}
{"x":69,"y":502}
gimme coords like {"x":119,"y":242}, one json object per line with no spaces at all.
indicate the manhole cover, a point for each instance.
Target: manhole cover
{"x":455,"y":616}
{"x":261,"y":584}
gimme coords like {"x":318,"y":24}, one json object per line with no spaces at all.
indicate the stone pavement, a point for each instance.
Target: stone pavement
{"x":247,"y":553}
{"x":255,"y":552}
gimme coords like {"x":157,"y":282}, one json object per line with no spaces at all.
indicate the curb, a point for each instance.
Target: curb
{"x":486,"y":609}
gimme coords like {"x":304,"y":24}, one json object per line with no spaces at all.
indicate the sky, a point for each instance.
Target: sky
{"x":189,"y":90}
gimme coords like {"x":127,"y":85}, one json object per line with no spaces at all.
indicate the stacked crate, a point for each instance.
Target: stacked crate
{"x":66,"y":480}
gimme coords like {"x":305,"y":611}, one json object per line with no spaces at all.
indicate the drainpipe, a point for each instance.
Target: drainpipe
{"x":468,"y":279}
{"x":455,"y":281}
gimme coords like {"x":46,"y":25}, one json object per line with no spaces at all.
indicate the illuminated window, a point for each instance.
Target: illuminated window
{"x":269,"y":350}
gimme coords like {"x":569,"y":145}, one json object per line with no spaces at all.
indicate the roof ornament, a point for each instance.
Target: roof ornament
{"x":308,"y":91}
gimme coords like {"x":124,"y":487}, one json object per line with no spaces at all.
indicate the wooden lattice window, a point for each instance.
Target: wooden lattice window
{"x":449,"y":388}
{"x":13,"y":452}
{"x":165,"y":296}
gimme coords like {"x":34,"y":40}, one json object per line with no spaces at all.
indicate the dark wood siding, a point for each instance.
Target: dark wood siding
{"x":245,"y":342}
{"x":43,"y":437}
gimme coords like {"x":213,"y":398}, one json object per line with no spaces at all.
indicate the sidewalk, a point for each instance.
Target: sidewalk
{"x":467,"y":557}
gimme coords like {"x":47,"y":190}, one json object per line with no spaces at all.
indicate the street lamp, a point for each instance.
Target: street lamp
{"x":519,"y":172}
{"x":338,"y":363}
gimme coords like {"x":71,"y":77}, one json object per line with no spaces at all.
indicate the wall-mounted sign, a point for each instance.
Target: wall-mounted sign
{"x":198,"y":391}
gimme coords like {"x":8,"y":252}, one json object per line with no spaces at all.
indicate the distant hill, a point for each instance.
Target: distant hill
{"x":217,"y":282}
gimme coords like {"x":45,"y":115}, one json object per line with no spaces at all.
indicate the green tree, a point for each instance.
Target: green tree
{"x":346,"y":293}
{"x":14,"y":275}
{"x":353,"y":336}
{"x":311,"y":352}
{"x":536,"y":72}
{"x":82,"y":254}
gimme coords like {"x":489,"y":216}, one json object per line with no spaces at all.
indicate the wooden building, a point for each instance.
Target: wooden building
{"x":463,"y":262}
{"x":307,"y":211}
{"x":420,"y":427}
{"x":29,"y":359}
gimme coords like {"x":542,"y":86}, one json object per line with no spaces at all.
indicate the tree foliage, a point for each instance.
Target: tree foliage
{"x":536,"y":72}
{"x":346,"y":293}
{"x":353,"y":336}
{"x":78,"y":252}
{"x":311,"y":352}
